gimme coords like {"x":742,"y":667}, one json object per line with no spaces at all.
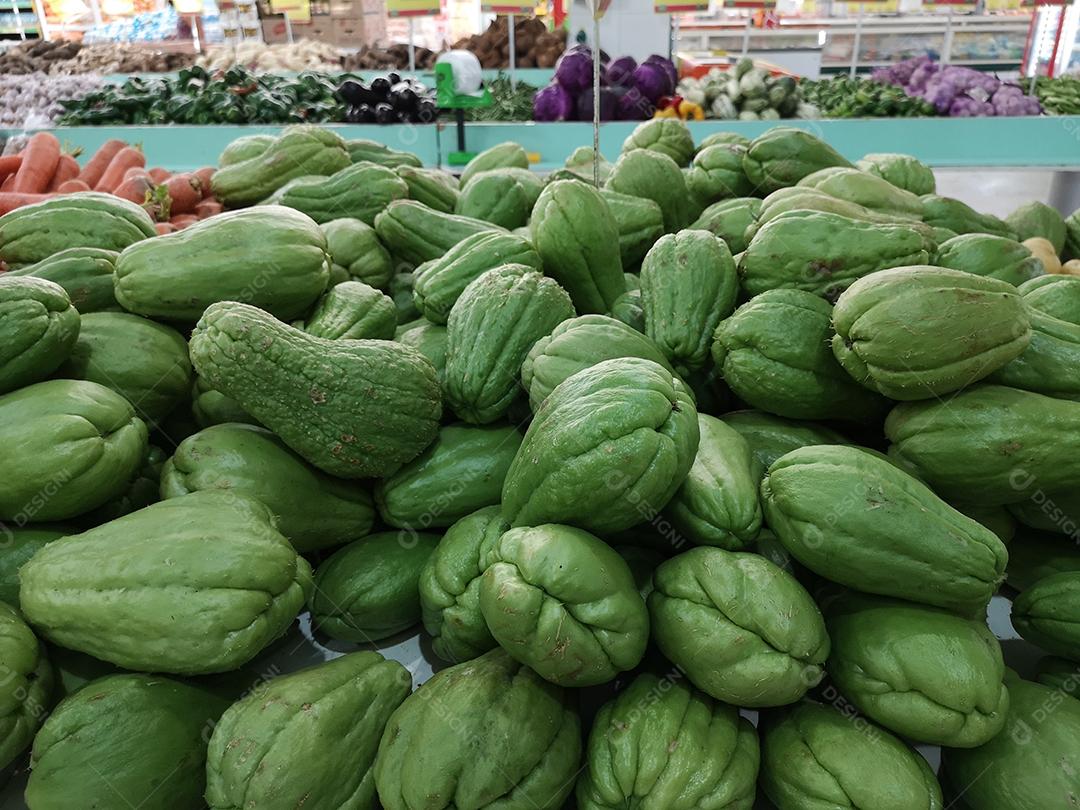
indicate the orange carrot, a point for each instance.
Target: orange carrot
{"x":136,"y":171}
{"x":183,"y":220}
{"x":67,"y":168}
{"x":207,"y":208}
{"x":8,"y":184}
{"x":72,"y":186}
{"x":11,"y":200}
{"x":9,"y":165}
{"x":96,"y":166}
{"x":160,"y":175}
{"x":123,"y":160}
{"x":185,"y":192}
{"x":40,"y":158}
{"x":135,"y":188}
{"x":164,"y":228}
{"x":205,"y":174}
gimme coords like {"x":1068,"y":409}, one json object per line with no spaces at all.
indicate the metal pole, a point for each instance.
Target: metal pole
{"x":513,"y":51}
{"x":946,"y":51}
{"x":412,"y":47}
{"x":18,"y":19}
{"x":288,"y":29}
{"x":674,"y":44}
{"x":857,"y":45}
{"x":746,"y":37}
{"x":596,"y":100}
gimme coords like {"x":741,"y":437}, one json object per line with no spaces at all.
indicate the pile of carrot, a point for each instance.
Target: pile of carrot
{"x":42,"y":170}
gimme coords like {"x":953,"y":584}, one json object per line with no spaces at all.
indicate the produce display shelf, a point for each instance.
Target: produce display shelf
{"x":537,"y":77}
{"x":1051,"y":142}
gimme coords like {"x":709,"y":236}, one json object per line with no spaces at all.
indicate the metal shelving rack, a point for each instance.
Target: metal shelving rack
{"x":18,"y":20}
{"x":856,"y":43}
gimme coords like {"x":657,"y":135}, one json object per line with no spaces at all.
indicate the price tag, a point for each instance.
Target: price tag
{"x":749,"y":3}
{"x":413,"y":8}
{"x":298,"y":11}
{"x":679,"y":6}
{"x":508,"y":8}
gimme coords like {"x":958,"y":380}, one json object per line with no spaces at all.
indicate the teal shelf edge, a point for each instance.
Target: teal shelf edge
{"x":1051,"y":142}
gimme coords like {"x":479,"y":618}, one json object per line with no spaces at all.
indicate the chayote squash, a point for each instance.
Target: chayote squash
{"x":414,"y":233}
{"x":729,"y":219}
{"x":440,"y":282}
{"x":312,"y":509}
{"x":86,"y":274}
{"x":825,"y":253}
{"x":434,"y":188}
{"x":507,"y":155}
{"x":771,"y":436}
{"x":1060,"y":674}
{"x":74,"y":445}
{"x":272,"y":257}
{"x":1057,"y":511}
{"x":353,"y":408}
{"x":961,"y":218}
{"x":140,"y":491}
{"x":663,"y":744}
{"x":143,"y":361}
{"x":565,"y":603}
{"x":987,"y":255}
{"x":354,"y":247}
{"x":428,"y":338}
{"x":34,"y":233}
{"x":460,"y":472}
{"x":189,"y":585}
{"x":903,"y":171}
{"x":606,"y":450}
{"x":492,"y":326}
{"x":774,"y":354}
{"x":782,"y":156}
{"x":401,"y":291}
{"x":210,"y":407}
{"x":688,"y":285}
{"x":128,"y":740}
{"x":17,"y":545}
{"x":1028,"y":766}
{"x":643,"y":562}
{"x":503,"y":196}
{"x":360,"y":191}
{"x":1047,"y":614}
{"x":1038,"y":219}
{"x":1035,"y":555}
{"x":578,"y":343}
{"x":717,"y":504}
{"x":299,"y":150}
{"x":989,"y":445}
{"x":450,"y":587}
{"x":26,"y":686}
{"x":523,"y":741}
{"x":1057,"y":295}
{"x":38,"y":330}
{"x":640,"y":223}
{"x":668,"y":136}
{"x":1048,"y":365}
{"x":627,"y":309}
{"x":579,"y":166}
{"x":362,"y":150}
{"x":996,"y":518}
{"x":865,"y":189}
{"x":352,"y":310}
{"x":806,"y":198}
{"x":655,"y":176}
{"x":717,"y":174}
{"x":815,"y":756}
{"x":742,"y":629}
{"x":245,"y":148}
{"x":575,"y":234}
{"x":924,"y":673}
{"x":854,"y":518}
{"x":922,"y":332}
{"x":713,"y":138}
{"x":369,"y":589}
{"x":329,"y":717}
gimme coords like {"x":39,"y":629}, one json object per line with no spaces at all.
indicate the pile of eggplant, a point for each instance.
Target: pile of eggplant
{"x":388,"y":99}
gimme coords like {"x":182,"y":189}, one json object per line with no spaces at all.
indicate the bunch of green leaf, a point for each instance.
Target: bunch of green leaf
{"x":509,"y":102}
{"x":1060,"y":95}
{"x":847,"y":97}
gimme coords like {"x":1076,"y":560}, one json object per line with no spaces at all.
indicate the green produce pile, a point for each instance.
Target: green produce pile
{"x":510,"y":101}
{"x":1060,"y":95}
{"x":750,"y":427}
{"x":746,"y":93}
{"x":198,"y":96}
{"x":858,"y":97}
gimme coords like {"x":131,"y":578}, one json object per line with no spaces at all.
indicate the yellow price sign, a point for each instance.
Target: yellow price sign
{"x":413,"y":8}
{"x":298,"y":11}
{"x":1002,"y":5}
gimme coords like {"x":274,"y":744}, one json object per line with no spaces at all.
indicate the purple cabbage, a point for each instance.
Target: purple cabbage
{"x":609,"y":104}
{"x":958,"y":91}
{"x":553,"y":103}
{"x":574,"y":70}
{"x":635,"y":107}
{"x":669,"y":69}
{"x":652,"y":81}
{"x":621,"y":71}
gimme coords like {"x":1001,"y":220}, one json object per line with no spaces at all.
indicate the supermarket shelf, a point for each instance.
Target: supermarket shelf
{"x":537,"y":77}
{"x":1048,"y":142}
